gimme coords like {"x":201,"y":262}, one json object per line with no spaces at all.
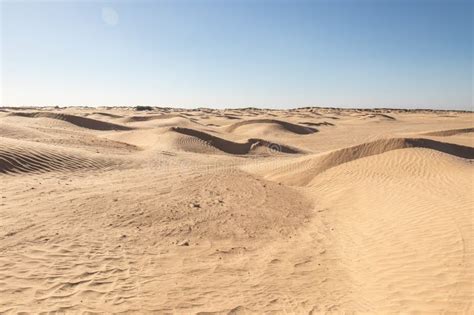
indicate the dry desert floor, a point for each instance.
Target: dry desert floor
{"x":241,"y":211}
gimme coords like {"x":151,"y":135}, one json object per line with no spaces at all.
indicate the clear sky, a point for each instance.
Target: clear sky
{"x":261,"y":53}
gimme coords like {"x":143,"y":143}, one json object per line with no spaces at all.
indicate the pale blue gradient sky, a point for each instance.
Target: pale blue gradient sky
{"x":386,"y":53}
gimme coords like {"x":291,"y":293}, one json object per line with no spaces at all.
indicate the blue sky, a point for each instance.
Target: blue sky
{"x":386,"y":53}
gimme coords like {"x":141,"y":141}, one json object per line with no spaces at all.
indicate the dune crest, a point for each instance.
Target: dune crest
{"x":79,"y":121}
{"x":235,"y":147}
{"x":294,"y":128}
{"x":304,"y":171}
{"x":448,"y":133}
{"x":151,"y":117}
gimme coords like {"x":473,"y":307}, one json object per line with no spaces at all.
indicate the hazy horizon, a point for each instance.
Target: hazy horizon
{"x":275,"y":54}
{"x":223,"y":107}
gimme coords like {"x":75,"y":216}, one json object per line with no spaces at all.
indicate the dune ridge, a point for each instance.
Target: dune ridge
{"x":107,"y":115}
{"x":232,"y":147}
{"x":448,"y":133}
{"x":294,"y":128}
{"x":304,"y":171}
{"x":136,"y":118}
{"x":79,"y":121}
{"x":317,"y":124}
{"x":378,"y":115}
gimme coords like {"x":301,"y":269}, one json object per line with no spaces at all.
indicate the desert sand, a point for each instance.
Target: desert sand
{"x":239,"y":211}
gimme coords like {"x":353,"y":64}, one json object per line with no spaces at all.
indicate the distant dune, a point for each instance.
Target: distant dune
{"x":273,"y":124}
{"x":79,"y":121}
{"x":451,"y":132}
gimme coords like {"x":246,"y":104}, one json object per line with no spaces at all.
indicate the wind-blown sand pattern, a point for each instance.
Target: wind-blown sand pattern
{"x":239,"y":211}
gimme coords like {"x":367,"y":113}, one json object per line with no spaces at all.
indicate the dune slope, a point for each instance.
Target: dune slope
{"x":301,"y":172}
{"x":404,"y":229}
{"x":83,"y":122}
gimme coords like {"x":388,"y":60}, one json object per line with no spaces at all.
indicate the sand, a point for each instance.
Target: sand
{"x":242,"y":211}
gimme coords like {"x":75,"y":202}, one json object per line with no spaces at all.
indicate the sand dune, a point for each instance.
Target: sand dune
{"x":83,"y":122}
{"x":242,"y":211}
{"x":377,"y":115}
{"x":303,"y":171}
{"x":10,"y":130}
{"x":317,"y":124}
{"x":30,"y":157}
{"x":294,"y":128}
{"x":232,"y":117}
{"x":150,"y":117}
{"x":252,"y":145}
{"x":447,"y":133}
{"x":415,"y":245}
{"x":107,"y":115}
{"x":199,"y":141}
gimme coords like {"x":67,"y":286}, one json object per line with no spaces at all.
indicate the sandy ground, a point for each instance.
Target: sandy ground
{"x":236,"y":211}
